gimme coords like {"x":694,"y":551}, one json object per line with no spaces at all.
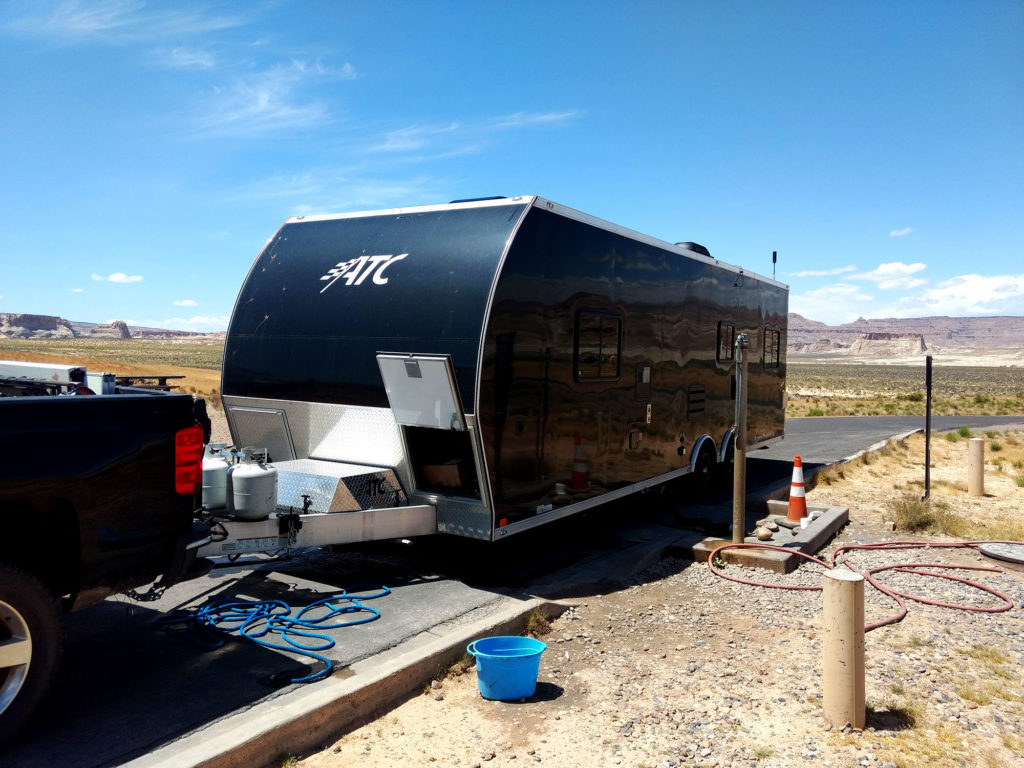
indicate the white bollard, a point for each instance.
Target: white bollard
{"x":842,"y":645}
{"x":976,"y":466}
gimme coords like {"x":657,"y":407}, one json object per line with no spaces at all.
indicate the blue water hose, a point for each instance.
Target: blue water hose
{"x":259,"y":619}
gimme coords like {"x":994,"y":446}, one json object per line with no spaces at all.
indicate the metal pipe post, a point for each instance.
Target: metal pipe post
{"x":739,"y":473}
{"x":927,"y":428}
{"x":842,"y":645}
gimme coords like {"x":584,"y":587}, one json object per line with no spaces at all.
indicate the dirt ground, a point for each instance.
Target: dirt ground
{"x":683,"y":668}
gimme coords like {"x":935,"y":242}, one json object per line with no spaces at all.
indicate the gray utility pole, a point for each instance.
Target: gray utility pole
{"x":739,"y":474}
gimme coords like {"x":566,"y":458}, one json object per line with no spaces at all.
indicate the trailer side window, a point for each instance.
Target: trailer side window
{"x":598,"y":345}
{"x":772,"y":351}
{"x":726,"y":341}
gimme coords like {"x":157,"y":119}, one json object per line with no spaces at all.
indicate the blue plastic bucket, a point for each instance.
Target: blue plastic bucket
{"x":506,"y":667}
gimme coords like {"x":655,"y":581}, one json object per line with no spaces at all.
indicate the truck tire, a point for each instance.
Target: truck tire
{"x":704,"y":472}
{"x":30,"y":646}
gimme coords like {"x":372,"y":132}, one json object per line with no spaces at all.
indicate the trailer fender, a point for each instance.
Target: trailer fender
{"x":727,"y":442}
{"x":703,"y":443}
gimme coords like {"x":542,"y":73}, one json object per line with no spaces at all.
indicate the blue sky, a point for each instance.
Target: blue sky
{"x":150,"y":149}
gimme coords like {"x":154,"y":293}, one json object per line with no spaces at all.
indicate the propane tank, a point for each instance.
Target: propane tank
{"x":215,"y":477}
{"x":253,"y":488}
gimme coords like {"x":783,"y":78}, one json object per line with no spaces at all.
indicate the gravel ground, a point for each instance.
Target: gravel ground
{"x":683,"y":668}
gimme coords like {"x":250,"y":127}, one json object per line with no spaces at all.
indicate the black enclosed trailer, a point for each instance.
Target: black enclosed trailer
{"x":489,"y":366}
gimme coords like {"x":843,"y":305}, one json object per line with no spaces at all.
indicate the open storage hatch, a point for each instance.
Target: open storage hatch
{"x":424,"y":399}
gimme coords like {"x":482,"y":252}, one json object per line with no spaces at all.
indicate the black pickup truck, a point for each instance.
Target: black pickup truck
{"x":97,"y":496}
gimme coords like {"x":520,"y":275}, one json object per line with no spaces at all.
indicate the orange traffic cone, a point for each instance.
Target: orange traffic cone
{"x":797,"y":499}
{"x":580,"y":468}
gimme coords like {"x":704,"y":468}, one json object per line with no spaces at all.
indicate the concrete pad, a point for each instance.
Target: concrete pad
{"x":808,"y":540}
{"x":313,"y":717}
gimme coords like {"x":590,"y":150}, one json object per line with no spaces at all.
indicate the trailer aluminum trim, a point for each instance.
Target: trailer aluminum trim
{"x":246,"y":537}
{"x":519,"y":200}
{"x":580,"y":506}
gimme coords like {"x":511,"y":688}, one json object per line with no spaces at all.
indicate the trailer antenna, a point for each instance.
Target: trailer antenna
{"x":774,"y":259}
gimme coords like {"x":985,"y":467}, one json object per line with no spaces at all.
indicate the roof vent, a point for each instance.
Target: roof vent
{"x":696,"y":248}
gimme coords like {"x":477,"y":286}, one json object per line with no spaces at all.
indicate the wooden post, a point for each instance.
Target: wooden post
{"x":843,"y":648}
{"x":976,"y":466}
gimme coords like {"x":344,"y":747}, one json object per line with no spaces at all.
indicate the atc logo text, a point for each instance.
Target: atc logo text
{"x":355,"y":271}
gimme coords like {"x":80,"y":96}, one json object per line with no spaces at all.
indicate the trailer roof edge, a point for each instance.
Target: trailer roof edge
{"x":550,"y":205}
{"x":518,"y":200}
{"x":572,"y":213}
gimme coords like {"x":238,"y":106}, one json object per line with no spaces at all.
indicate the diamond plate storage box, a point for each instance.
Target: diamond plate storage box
{"x":335,"y":487}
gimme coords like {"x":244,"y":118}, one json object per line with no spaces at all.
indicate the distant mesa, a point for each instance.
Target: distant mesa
{"x":118,"y":329}
{"x":906,"y":337}
{"x":888,"y":345}
{"x":18,"y":326}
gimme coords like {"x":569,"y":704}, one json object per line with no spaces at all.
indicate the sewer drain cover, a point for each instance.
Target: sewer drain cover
{"x":1013,"y":553}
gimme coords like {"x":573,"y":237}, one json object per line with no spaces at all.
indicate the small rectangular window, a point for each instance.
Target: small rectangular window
{"x":772,"y":353}
{"x":598,"y":345}
{"x":726,"y":341}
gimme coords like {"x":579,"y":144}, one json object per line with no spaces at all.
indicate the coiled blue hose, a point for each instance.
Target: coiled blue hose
{"x":257,"y":620}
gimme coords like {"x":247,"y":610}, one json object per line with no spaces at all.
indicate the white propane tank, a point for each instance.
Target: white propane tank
{"x":215,"y":477}
{"x":253,"y":488}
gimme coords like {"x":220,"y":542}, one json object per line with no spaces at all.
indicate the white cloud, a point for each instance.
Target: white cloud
{"x":414,"y":138}
{"x":270,"y":101}
{"x":526,"y":119}
{"x":184,"y":58}
{"x":970,"y":295}
{"x":186,"y":303}
{"x":117,"y":21}
{"x":832,"y":304}
{"x":197,"y":323}
{"x":78,"y":290}
{"x":823,"y":272}
{"x":118,"y":277}
{"x":894,"y":276}
{"x":327,"y":190}
{"x":901,"y":232}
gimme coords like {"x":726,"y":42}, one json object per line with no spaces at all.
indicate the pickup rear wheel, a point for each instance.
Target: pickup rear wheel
{"x":30,"y":646}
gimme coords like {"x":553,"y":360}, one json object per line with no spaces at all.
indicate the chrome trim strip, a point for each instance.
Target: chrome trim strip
{"x":572,"y":509}
{"x":518,"y":200}
{"x":484,"y":479}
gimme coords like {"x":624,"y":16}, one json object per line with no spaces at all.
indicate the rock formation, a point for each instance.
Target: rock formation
{"x":887,"y":345}
{"x":19,"y":326}
{"x":117,"y":329}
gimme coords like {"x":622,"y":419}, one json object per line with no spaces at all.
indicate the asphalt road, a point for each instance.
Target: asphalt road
{"x":126,"y":687}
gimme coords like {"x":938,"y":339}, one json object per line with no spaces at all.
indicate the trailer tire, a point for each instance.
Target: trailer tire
{"x":704,"y":472}
{"x":29,"y":616}
{"x":727,"y":467}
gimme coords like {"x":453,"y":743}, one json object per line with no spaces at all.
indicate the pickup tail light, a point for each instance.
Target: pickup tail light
{"x":188,"y":460}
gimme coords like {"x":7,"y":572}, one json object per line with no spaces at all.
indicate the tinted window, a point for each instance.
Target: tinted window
{"x":598,"y":345}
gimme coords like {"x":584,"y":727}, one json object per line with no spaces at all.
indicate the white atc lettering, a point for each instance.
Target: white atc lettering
{"x":355,"y":271}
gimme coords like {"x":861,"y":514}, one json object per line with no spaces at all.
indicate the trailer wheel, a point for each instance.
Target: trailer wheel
{"x":703,"y":472}
{"x":30,"y":646}
{"x":727,"y":466}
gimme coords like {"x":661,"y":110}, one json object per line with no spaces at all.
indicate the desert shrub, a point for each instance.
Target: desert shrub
{"x":953,"y":437}
{"x":964,"y":431}
{"x":995,"y":445}
{"x":1019,"y":480}
{"x":815,"y":412}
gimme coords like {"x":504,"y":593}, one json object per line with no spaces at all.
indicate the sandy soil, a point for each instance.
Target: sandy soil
{"x":683,"y":668}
